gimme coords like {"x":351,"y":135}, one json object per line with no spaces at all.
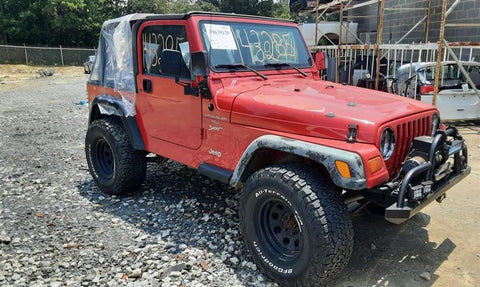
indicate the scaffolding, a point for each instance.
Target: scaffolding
{"x":439,"y":51}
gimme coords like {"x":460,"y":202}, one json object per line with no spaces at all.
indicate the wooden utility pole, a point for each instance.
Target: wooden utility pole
{"x":316,"y":23}
{"x":441,"y":42}
{"x":427,"y":23}
{"x":339,"y":58}
{"x":381,"y":8}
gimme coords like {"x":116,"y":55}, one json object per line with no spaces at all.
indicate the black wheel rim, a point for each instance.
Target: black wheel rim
{"x":279,"y":230}
{"x":105,"y":161}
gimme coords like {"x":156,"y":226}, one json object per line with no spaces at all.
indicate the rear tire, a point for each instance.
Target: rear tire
{"x":116,"y":167}
{"x":295,"y":225}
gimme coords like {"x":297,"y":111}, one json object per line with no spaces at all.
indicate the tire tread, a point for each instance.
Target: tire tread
{"x":327,"y":214}
{"x":130,"y":168}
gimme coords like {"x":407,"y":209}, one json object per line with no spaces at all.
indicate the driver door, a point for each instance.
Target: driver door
{"x":167,"y":114}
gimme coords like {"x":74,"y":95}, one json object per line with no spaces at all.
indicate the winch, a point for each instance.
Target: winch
{"x":440,"y":165}
{"x":420,"y":151}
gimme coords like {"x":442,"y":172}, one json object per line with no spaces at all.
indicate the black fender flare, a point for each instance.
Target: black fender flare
{"x":109,"y":105}
{"x":321,"y":154}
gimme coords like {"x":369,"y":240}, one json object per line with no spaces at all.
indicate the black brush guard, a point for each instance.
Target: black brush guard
{"x":404,"y":209}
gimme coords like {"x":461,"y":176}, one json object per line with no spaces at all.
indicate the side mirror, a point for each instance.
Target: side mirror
{"x":171,"y":63}
{"x":199,"y":64}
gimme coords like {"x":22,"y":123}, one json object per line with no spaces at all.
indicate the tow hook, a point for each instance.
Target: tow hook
{"x":441,"y":198}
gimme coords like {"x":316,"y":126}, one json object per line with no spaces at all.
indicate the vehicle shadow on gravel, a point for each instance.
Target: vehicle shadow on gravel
{"x":178,"y":206}
{"x":393,"y":255}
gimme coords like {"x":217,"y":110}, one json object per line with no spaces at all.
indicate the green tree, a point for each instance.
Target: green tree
{"x":184,"y":6}
{"x":146,"y":6}
{"x":250,"y":7}
{"x":78,"y":22}
{"x":55,"y":22}
{"x":281,"y":9}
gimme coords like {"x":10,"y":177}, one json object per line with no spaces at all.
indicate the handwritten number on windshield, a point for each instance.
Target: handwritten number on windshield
{"x":267,"y":46}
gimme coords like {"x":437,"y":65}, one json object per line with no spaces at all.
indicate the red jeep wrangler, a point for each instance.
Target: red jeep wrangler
{"x":238,"y":98}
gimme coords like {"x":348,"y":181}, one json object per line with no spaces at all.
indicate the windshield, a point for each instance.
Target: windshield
{"x":253,"y":45}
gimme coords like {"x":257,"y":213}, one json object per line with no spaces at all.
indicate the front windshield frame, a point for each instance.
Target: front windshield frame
{"x":300,"y":47}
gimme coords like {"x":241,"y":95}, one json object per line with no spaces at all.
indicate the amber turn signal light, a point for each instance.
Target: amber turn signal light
{"x":375,"y":164}
{"x":343,"y":168}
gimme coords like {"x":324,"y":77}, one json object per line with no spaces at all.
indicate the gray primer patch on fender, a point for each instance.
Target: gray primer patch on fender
{"x":322,"y":154}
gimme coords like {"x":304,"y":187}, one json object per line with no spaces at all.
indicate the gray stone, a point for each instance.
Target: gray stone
{"x":182,"y":246}
{"x":137,"y":273}
{"x":234,"y":260}
{"x":175,"y":274}
{"x":426,"y":276}
{"x":167,"y":279}
{"x":15,"y":277}
{"x":4,"y":238}
{"x":165,"y":233}
{"x":90,"y":277}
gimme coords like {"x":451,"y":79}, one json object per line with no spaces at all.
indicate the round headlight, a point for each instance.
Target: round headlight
{"x":435,"y":124}
{"x":387,"y":143}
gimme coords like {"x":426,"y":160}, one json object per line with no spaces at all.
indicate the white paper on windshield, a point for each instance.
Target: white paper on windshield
{"x":221,"y":37}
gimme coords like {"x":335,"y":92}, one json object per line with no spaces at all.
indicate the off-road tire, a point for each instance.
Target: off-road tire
{"x":116,"y":167}
{"x":295,"y":202}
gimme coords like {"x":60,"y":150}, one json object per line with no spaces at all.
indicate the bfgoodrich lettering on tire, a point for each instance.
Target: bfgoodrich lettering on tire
{"x":295,"y":225}
{"x":116,"y":167}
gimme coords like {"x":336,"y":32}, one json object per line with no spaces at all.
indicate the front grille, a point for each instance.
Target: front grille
{"x":406,"y":130}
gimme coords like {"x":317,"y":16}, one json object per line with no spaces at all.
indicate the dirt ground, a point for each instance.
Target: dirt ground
{"x":438,"y":247}
{"x":10,"y":74}
{"x":442,"y":240}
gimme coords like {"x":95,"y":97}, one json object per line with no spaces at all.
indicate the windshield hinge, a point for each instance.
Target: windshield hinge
{"x":204,"y":89}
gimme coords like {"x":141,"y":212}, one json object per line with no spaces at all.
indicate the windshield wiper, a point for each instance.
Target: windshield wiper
{"x":278,"y":65}
{"x":236,"y":66}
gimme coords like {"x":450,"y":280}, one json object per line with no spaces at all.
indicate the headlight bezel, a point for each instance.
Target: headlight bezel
{"x":435,"y":124}
{"x":387,"y":143}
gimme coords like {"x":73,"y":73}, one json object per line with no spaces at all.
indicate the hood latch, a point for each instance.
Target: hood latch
{"x":352,"y":133}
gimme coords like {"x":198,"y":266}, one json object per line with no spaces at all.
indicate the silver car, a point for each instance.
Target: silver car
{"x":456,"y":99}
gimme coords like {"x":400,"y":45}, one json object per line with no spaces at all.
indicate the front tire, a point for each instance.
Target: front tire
{"x":116,"y":167}
{"x":295,"y":225}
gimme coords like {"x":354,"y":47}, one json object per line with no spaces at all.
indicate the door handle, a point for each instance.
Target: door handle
{"x":147,"y":85}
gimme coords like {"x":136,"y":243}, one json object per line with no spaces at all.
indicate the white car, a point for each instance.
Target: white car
{"x":456,"y":99}
{"x":328,"y":33}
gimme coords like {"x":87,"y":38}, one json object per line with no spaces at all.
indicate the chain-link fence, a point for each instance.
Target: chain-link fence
{"x":44,"y":55}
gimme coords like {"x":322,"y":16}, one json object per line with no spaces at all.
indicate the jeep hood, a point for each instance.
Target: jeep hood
{"x":317,"y":108}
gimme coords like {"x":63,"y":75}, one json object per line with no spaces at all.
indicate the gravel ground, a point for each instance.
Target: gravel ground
{"x":181,"y":229}
{"x":57,"y":228}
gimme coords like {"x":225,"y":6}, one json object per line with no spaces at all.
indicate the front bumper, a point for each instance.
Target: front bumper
{"x":405,"y":208}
